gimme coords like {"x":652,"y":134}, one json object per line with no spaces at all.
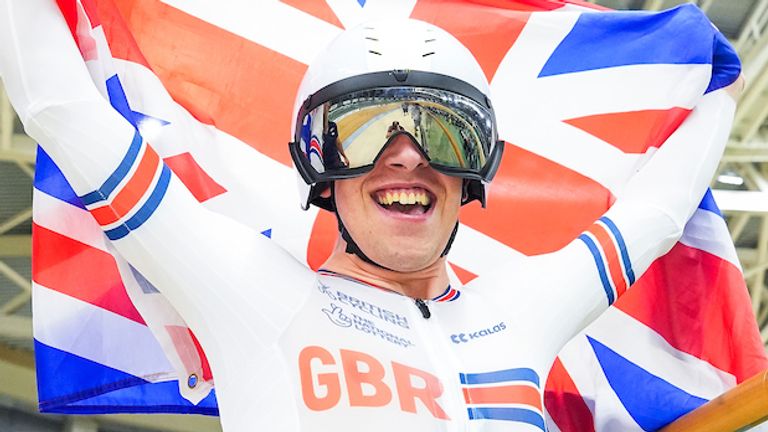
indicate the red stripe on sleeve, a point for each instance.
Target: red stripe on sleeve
{"x":80,"y":271}
{"x":131,"y":193}
{"x":611,"y":256}
{"x":511,"y":394}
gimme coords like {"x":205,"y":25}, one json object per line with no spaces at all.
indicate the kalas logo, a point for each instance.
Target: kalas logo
{"x":468,"y":337}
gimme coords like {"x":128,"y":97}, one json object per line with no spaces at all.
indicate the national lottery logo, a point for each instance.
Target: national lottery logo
{"x":363,"y":306}
{"x":469,"y":337}
{"x":339,"y":317}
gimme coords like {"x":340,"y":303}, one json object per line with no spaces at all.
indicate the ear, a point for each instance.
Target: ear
{"x":465,"y":191}
{"x":326,"y":193}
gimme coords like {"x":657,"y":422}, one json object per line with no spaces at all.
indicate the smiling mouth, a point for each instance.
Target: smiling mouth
{"x":408,"y":201}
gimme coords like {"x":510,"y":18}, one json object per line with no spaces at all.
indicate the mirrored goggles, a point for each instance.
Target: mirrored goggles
{"x":344,"y":136}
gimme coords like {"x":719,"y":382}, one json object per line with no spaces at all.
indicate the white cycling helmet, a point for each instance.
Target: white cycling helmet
{"x":386,"y":78}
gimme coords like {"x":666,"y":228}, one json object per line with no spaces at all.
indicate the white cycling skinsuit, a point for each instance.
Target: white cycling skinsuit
{"x":294,"y":350}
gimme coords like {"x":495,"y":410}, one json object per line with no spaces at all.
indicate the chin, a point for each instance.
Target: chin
{"x":411,"y":262}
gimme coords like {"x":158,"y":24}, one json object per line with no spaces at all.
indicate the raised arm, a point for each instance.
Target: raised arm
{"x":212,"y":269}
{"x":575,"y":284}
{"x":651,"y":212}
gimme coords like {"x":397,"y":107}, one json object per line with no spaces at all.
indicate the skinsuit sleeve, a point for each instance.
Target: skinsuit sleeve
{"x":575,"y":284}
{"x":218,"y":274}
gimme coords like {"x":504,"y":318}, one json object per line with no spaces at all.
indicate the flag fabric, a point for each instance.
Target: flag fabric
{"x":673,"y":342}
{"x":583,"y":99}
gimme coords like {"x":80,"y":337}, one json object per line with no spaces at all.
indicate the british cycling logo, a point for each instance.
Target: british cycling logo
{"x":363,"y":306}
{"x":337,"y":316}
{"x":469,"y":337}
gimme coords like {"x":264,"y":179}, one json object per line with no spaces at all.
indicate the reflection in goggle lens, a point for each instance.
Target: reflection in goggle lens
{"x":350,"y":132}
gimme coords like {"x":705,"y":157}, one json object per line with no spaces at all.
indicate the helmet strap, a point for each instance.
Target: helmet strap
{"x":354,"y":249}
{"x":450,"y":240}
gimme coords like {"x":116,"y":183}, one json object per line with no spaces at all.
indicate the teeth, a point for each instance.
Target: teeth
{"x":404,"y":198}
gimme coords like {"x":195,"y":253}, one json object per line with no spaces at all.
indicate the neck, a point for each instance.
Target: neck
{"x":425,"y":283}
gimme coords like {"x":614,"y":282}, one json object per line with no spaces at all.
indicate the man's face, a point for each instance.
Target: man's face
{"x":402,"y":212}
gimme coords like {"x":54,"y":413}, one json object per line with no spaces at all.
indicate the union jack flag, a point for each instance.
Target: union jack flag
{"x":582,"y":99}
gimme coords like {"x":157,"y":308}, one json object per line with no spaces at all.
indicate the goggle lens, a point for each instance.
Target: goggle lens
{"x":345,"y":135}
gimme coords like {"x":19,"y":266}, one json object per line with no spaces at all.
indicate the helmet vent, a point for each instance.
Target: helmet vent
{"x":372,"y":38}
{"x":374,"y":52}
{"x":427,"y":54}
{"x":430,"y":40}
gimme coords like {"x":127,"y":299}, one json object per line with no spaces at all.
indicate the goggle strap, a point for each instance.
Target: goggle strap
{"x":352,"y":247}
{"x":450,"y":240}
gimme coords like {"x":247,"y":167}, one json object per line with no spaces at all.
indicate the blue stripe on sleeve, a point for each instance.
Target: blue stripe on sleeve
{"x":517,"y":374}
{"x":600,"y":267}
{"x":117,"y":176}
{"x":117,"y":232}
{"x":146,"y":210}
{"x":508,"y":414}
{"x":622,"y":248}
{"x":599,"y":40}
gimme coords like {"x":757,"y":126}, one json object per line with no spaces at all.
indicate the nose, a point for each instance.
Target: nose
{"x":402,"y":154}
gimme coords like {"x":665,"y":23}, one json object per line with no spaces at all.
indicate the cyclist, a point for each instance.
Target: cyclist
{"x":378,"y":339}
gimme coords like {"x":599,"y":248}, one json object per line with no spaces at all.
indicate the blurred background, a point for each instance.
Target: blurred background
{"x":741,"y":187}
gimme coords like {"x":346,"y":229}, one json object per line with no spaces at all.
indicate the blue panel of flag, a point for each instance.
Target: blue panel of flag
{"x":49,"y":179}
{"x":651,"y":401}
{"x":644,"y":38}
{"x":107,"y":390}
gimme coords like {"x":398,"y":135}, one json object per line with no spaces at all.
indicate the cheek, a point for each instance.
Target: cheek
{"x":348,"y":197}
{"x":454,"y":188}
